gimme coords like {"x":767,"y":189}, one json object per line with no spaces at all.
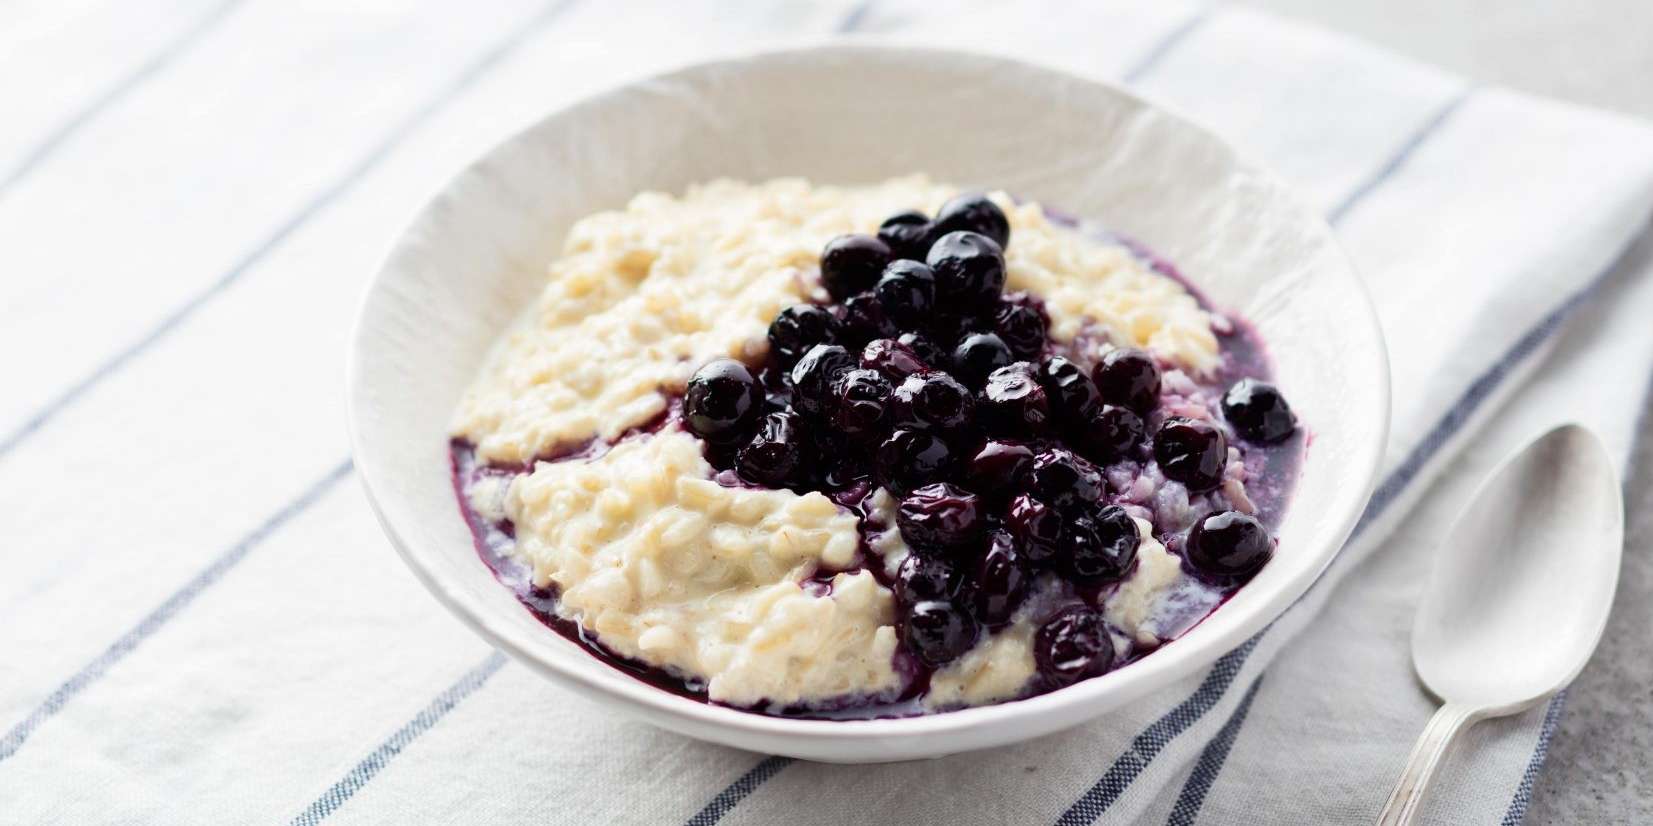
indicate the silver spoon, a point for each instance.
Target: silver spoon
{"x":1520,"y":594}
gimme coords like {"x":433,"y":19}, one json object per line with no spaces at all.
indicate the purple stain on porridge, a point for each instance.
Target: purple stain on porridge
{"x":1018,"y":465}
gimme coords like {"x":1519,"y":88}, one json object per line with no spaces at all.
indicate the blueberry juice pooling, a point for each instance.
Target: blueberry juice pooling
{"x":1032,"y":509}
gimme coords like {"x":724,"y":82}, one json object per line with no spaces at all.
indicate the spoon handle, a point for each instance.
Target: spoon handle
{"x":1426,"y":758}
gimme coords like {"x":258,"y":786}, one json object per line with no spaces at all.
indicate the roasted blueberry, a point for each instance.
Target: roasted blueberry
{"x":1129,"y":378}
{"x":863,"y":403}
{"x":1102,"y":546}
{"x":1001,"y":580}
{"x":865,"y":320}
{"x":973,"y":212}
{"x":1073,"y":396}
{"x":999,"y":469}
{"x":1191,"y":451}
{"x":907,"y":291}
{"x":895,"y":360}
{"x":934,"y":401}
{"x":1113,"y":432}
{"x":977,"y":355}
{"x":1022,"y":323}
{"x":969,"y":271}
{"x":937,"y":632}
{"x":815,"y":375}
{"x":1036,"y":525}
{"x":941,"y":517}
{"x":1258,"y":412}
{"x":1013,"y":403}
{"x":1073,"y":645}
{"x":926,"y":576}
{"x":1060,"y":477}
{"x":776,"y":455}
{"x":926,"y":348}
{"x":910,"y":459}
{"x":852,"y":263}
{"x":800,"y":327}
{"x":908,"y":234}
{"x":723,"y":402}
{"x":1228,"y":545}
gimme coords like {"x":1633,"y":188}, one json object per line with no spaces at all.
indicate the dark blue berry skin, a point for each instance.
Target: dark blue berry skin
{"x":926,"y":348}
{"x":1258,"y":412}
{"x":800,"y":327}
{"x":777,"y":456}
{"x":1192,"y":452}
{"x":941,"y":518}
{"x":1129,"y":378}
{"x":815,"y":376}
{"x":1072,"y":645}
{"x":973,"y":212}
{"x":924,"y":577}
{"x":1063,"y":479}
{"x":862,"y":409}
{"x":1036,"y":526}
{"x":1073,"y":396}
{"x":1013,"y":404}
{"x":723,"y":402}
{"x":977,"y":355}
{"x":907,"y":291}
{"x":969,"y":270}
{"x":937,"y":632}
{"x":1113,"y":433}
{"x":910,"y":459}
{"x":1001,"y":580}
{"x":999,"y":469}
{"x":865,"y":320}
{"x":1105,"y":546}
{"x":935,"y":401}
{"x":1228,"y":545}
{"x":1023,"y":326}
{"x":895,"y":360}
{"x":851,"y":264}
{"x":908,"y":234}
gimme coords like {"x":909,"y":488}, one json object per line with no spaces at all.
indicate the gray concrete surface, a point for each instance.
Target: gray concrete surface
{"x":1597,"y":53}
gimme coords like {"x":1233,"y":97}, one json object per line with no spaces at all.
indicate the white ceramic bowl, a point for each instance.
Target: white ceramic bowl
{"x":477,"y":253}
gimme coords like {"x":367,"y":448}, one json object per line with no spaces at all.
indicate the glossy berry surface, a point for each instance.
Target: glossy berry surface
{"x":723,"y":402}
{"x":926,"y":348}
{"x":1192,"y":452}
{"x":926,"y":576}
{"x":907,"y":292}
{"x":896,"y":361}
{"x":909,"y":459}
{"x":1013,"y":403}
{"x":862,"y":406}
{"x":1258,"y":412}
{"x":973,"y":212}
{"x":800,"y":327}
{"x":1111,"y":433}
{"x":934,"y":401}
{"x":999,"y":469}
{"x":1072,"y":645}
{"x":1108,"y":548}
{"x":851,"y":264}
{"x":1022,"y":324}
{"x":1063,"y":479}
{"x":977,"y":355}
{"x":1129,"y":378}
{"x":908,"y":234}
{"x":815,"y":375}
{"x":1001,"y":580}
{"x":776,"y":456}
{"x":969,"y":270}
{"x":1073,"y":396}
{"x":1228,"y":545}
{"x":865,"y":320}
{"x":940,"y":517}
{"x":1036,"y":526}
{"x":937,"y":632}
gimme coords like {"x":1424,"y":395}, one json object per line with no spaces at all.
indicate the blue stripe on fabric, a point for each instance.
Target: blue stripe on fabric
{"x":424,"y":721}
{"x":156,"y":62}
{"x":737,"y":791}
{"x":1399,"y":158}
{"x":169,"y":609}
{"x":1517,"y":811}
{"x":366,"y":164}
{"x":1211,"y":763}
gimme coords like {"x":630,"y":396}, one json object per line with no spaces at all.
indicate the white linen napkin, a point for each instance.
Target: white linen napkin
{"x":200,"y":622}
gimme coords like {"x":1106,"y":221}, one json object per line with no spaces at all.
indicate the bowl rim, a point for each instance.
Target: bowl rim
{"x":1059,"y":709}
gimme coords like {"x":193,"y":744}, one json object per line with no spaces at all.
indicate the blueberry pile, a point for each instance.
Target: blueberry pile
{"x":925,"y":378}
